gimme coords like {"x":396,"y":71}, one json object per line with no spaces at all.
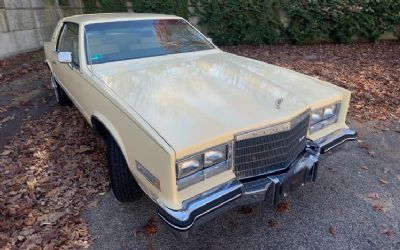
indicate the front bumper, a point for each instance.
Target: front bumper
{"x":269,"y":187}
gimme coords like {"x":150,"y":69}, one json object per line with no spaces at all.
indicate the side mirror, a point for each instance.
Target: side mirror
{"x":64,"y":57}
{"x":209,"y":39}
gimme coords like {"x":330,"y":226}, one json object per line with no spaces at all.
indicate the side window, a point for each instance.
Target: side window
{"x":68,"y":41}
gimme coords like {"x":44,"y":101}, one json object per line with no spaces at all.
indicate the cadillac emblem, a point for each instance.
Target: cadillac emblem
{"x":278,"y":102}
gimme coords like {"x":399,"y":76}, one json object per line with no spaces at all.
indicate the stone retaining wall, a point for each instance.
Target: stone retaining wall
{"x":26,"y":24}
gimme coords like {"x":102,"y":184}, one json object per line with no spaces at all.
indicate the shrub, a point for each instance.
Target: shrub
{"x":340,"y":20}
{"x":240,"y":21}
{"x":259,"y":21}
{"x":175,"y":7}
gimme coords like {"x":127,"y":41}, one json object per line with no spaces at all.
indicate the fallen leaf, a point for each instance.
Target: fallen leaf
{"x":372,"y":153}
{"x":4,"y":237}
{"x":383,"y":182}
{"x":151,"y":227}
{"x":364,"y":167}
{"x":283,"y":207}
{"x":30,"y":220}
{"x":332,"y":230}
{"x":272,"y":223}
{"x":383,"y":229}
{"x":83,"y":149}
{"x":364,"y":145}
{"x":92,"y":204}
{"x":21,"y":237}
{"x":6,"y":152}
{"x":246,"y":210}
{"x":374,"y":196}
{"x":379,"y":207}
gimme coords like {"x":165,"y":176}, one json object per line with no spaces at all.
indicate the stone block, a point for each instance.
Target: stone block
{"x":75,"y":3}
{"x":21,"y":19}
{"x":17,"y":4}
{"x":45,"y":17}
{"x":71,"y":11}
{"x":18,"y":41}
{"x":40,"y":3}
{"x":28,"y":39}
{"x":46,"y":33}
{"x":3,"y":21}
{"x":23,"y":4}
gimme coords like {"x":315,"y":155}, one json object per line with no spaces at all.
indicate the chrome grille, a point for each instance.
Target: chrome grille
{"x":270,"y":149}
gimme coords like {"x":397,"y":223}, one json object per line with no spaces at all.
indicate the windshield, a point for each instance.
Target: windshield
{"x":124,"y":40}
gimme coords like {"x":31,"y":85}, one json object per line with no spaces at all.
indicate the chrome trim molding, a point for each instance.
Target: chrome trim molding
{"x":202,"y":200}
{"x":199,"y":215}
{"x":335,"y":139}
{"x":149,"y":176}
{"x":271,"y":129}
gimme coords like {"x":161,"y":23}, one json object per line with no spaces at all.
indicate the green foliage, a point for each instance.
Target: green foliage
{"x":90,"y":6}
{"x":175,"y":7}
{"x":240,"y":21}
{"x":259,"y":21}
{"x":340,"y":20}
{"x":113,"y":5}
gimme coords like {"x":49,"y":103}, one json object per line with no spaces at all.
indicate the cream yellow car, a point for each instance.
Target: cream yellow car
{"x":195,"y":128}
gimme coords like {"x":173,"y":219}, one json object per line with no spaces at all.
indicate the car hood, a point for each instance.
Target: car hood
{"x":195,"y":100}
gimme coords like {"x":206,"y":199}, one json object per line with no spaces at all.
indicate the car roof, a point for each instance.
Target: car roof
{"x":112,"y":17}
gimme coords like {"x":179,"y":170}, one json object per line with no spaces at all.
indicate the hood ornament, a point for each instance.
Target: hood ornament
{"x":278,"y":103}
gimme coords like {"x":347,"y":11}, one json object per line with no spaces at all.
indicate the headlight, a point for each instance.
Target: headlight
{"x":330,"y":111}
{"x":203,"y":165}
{"x":214,"y":156}
{"x":320,"y":118}
{"x":190,"y":166}
{"x":316,"y":117}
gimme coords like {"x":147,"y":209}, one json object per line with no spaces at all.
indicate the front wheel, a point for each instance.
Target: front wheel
{"x":123,"y":184}
{"x":61,"y":96}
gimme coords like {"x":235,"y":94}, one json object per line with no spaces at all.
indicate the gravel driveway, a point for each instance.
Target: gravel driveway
{"x":353,"y":205}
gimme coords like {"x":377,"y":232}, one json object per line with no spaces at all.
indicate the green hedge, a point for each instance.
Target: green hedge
{"x":240,"y":21}
{"x":341,"y":20}
{"x":260,"y":21}
{"x":176,"y":7}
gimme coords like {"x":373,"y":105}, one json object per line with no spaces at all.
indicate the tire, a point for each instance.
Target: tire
{"x":61,"y":96}
{"x":123,"y":184}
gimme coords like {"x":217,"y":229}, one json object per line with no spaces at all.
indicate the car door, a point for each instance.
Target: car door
{"x":69,"y":75}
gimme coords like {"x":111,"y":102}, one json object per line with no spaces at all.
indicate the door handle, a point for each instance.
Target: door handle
{"x":54,"y":62}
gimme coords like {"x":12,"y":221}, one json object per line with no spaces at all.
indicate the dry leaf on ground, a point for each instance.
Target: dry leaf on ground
{"x":283,"y":207}
{"x":332,"y":230}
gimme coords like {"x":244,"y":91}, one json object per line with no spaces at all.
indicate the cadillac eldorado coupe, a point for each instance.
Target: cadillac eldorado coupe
{"x":197,"y":129}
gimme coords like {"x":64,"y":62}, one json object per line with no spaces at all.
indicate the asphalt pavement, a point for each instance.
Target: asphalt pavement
{"x":353,"y":205}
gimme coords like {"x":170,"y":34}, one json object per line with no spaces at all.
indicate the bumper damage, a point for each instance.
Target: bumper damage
{"x":270,"y":188}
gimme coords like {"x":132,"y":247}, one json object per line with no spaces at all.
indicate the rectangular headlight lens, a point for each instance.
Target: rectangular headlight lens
{"x":214,"y":156}
{"x":190,"y":166}
{"x":322,"y":117}
{"x":330,"y":111}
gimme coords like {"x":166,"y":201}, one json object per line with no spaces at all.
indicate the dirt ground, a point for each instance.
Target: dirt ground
{"x":55,"y":190}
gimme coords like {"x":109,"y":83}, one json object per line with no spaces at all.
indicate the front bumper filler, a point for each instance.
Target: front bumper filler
{"x":234,"y":193}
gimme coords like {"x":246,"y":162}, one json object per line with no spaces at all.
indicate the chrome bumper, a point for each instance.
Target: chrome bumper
{"x":235,"y":193}
{"x":335,"y":139}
